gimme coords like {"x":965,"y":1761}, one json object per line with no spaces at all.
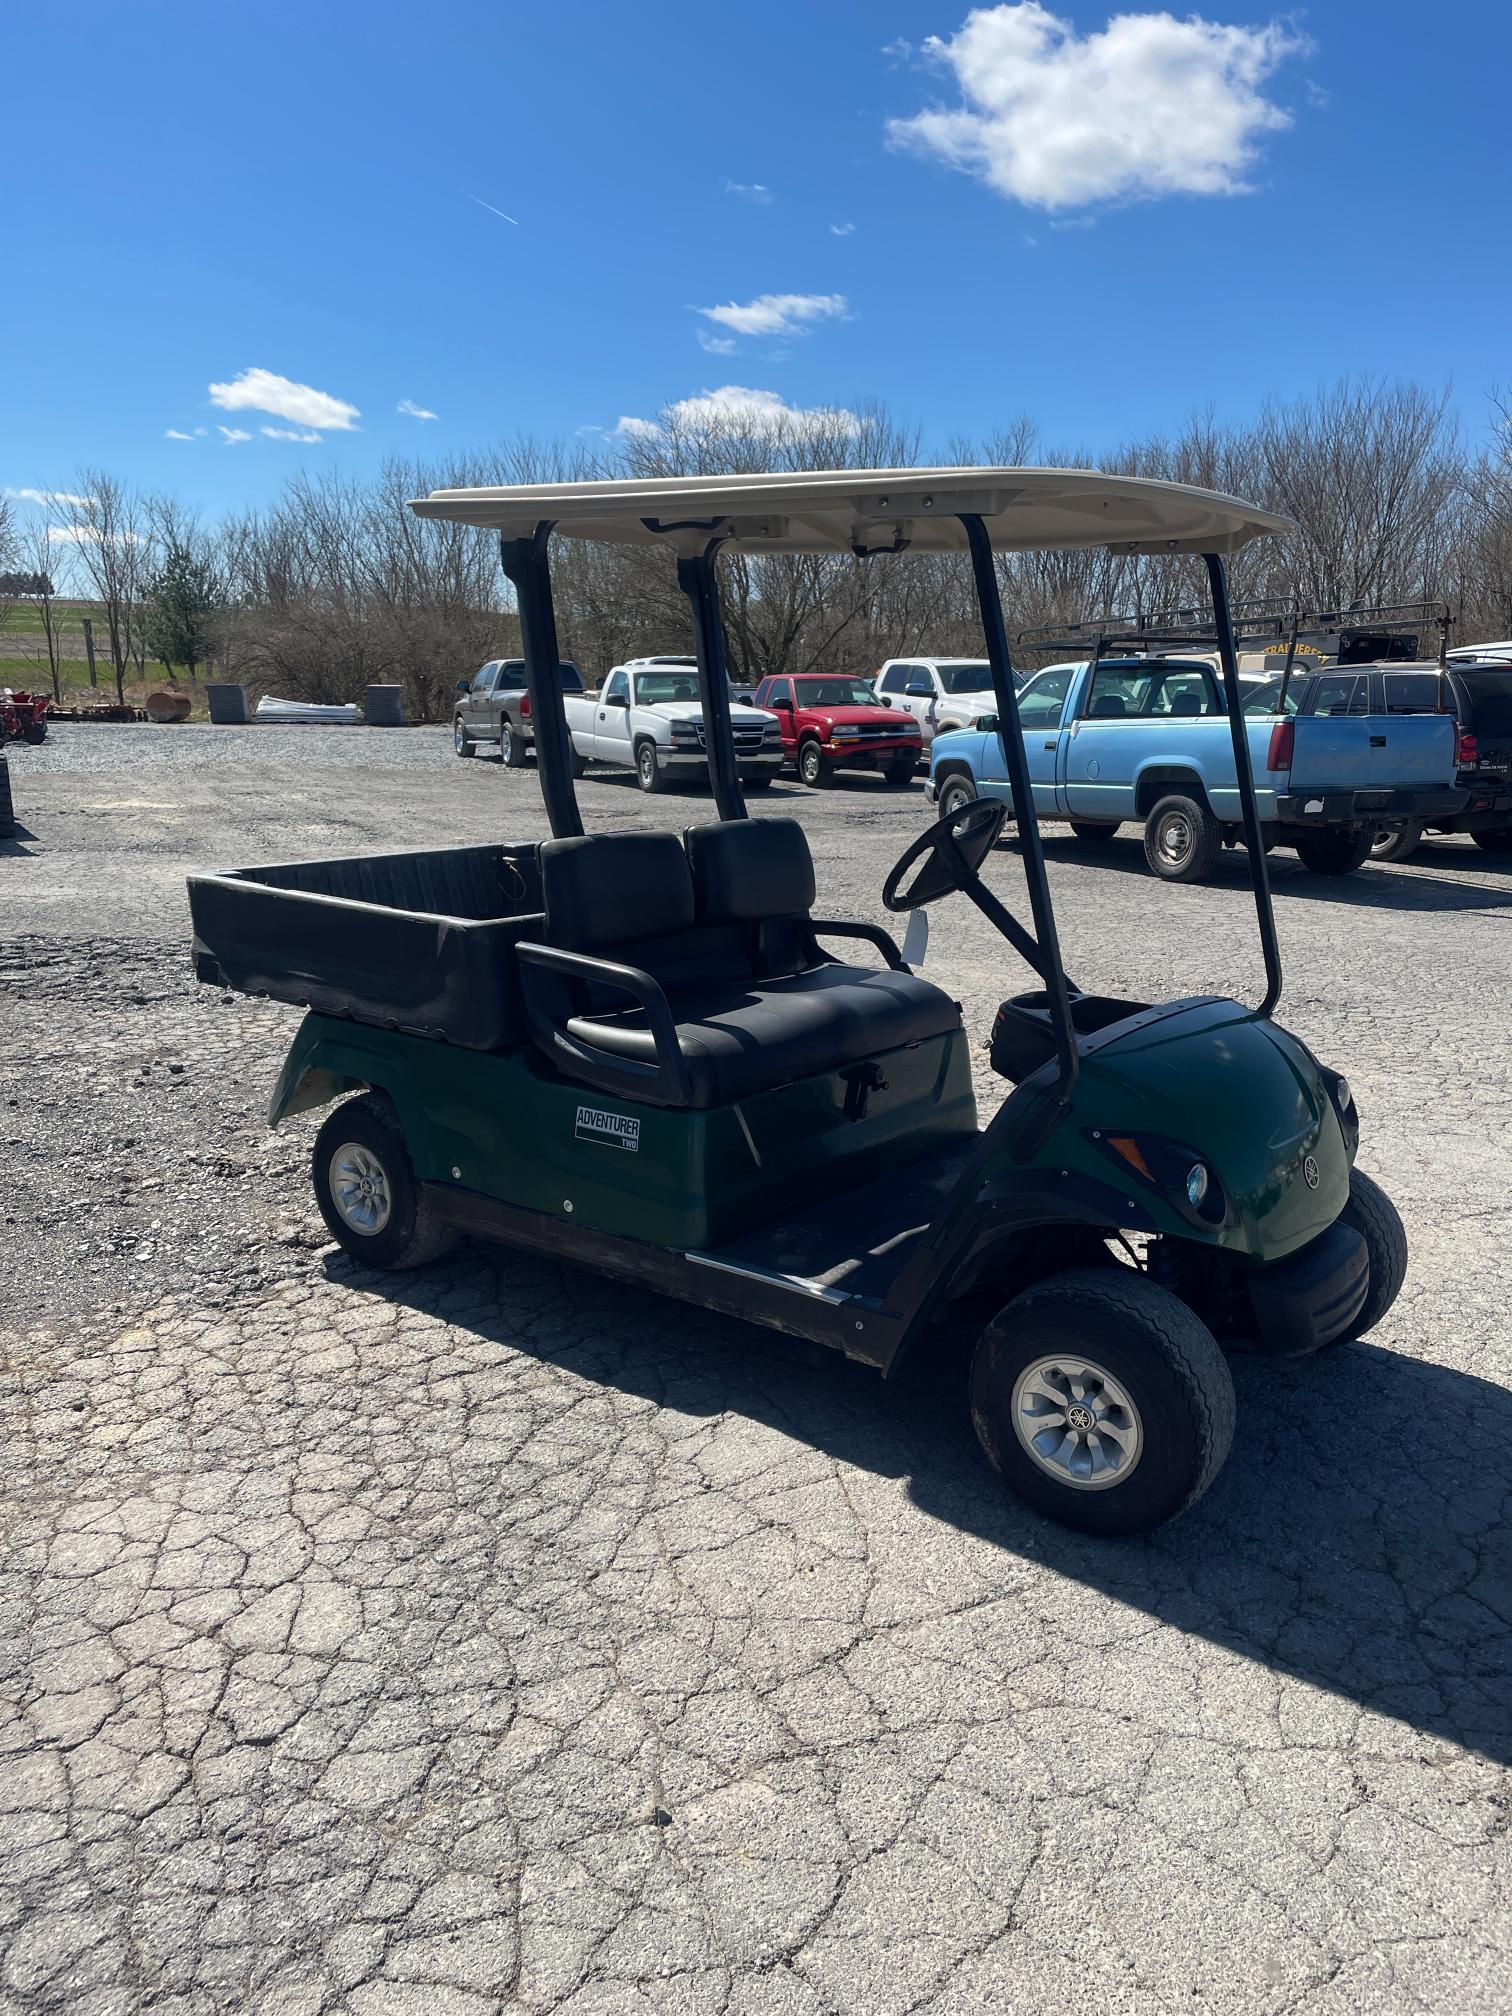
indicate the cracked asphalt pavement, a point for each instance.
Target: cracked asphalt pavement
{"x":494,"y":1638}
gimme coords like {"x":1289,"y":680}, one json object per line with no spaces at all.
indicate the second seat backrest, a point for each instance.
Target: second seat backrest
{"x":756,"y":876}
{"x":629,"y":897}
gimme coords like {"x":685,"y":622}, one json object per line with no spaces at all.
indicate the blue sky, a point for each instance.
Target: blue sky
{"x":199,"y":193}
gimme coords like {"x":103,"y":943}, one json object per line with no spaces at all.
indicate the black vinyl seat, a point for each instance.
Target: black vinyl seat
{"x":721,"y":925}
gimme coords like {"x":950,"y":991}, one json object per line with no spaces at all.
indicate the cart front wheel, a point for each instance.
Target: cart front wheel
{"x":1373,"y":1215}
{"x":366,"y":1189}
{"x":1182,"y":839}
{"x":1102,"y":1401}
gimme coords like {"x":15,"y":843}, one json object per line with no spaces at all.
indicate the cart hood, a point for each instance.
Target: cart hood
{"x":1246,"y":1098}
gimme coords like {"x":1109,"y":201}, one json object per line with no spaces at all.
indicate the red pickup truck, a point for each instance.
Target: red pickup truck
{"x":830,"y":722}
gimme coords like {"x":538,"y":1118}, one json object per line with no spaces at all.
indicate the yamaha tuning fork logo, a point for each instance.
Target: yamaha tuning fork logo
{"x":614,"y":1130}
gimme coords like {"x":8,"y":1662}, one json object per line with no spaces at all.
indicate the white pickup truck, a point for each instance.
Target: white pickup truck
{"x":649,"y":718}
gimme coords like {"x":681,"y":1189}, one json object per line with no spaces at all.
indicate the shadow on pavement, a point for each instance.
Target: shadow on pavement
{"x":1357,"y":1539}
{"x":1439,"y":878}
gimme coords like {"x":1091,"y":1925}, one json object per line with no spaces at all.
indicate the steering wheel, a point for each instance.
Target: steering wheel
{"x":948,"y":856}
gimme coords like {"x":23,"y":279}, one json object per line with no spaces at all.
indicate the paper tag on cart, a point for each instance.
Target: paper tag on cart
{"x":916,"y":938}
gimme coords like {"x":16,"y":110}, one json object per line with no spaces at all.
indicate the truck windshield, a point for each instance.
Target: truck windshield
{"x":964,"y":677}
{"x":652,"y":688}
{"x":835,"y":693}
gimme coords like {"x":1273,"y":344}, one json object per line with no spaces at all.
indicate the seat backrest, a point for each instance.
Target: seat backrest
{"x":1108,"y":707}
{"x":607,"y":889}
{"x":1186,"y":704}
{"x":747,"y":870}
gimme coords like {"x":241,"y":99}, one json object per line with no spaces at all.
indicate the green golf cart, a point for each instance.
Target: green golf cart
{"x":640,"y":1051}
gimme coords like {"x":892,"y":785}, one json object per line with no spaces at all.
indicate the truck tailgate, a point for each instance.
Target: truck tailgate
{"x":1369,"y":752}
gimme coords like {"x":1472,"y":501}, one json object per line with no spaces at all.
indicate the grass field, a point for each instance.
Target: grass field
{"x":23,"y":656}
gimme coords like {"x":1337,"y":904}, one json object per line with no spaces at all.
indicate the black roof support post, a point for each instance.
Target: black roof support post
{"x":1244,"y":771}
{"x":1010,"y":734}
{"x":524,"y":562}
{"x":699,"y":582}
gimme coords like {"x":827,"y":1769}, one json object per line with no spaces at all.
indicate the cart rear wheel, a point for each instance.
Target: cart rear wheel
{"x":1399,"y":843}
{"x":366,"y":1189}
{"x":1102,"y":1401}
{"x":511,"y":748}
{"x":1335,"y":853}
{"x":461,"y":740}
{"x":1182,"y":839}
{"x":1373,"y":1215}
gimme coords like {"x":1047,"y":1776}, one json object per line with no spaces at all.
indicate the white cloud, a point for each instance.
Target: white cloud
{"x":231,"y":435}
{"x":173,"y":434}
{"x":415,"y":412}
{"x":777,"y":314}
{"x":742,"y":406}
{"x":1147,"y":106}
{"x":86,"y":535}
{"x":48,"y":498}
{"x":841,"y":230}
{"x":265,"y":392}
{"x":284,"y":433}
{"x":717,"y":346}
{"x":754,"y":192}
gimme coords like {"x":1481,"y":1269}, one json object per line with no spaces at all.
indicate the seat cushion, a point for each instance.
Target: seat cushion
{"x":738,"y":1040}
{"x":615,"y":889}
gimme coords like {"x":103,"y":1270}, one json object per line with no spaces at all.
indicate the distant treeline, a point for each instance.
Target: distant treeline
{"x":337,"y":585}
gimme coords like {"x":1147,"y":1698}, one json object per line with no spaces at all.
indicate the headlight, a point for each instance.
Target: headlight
{"x":685,"y":731}
{"x":772,"y":732}
{"x":1342,"y":1092}
{"x":845,"y":733}
{"x":1166,"y":1166}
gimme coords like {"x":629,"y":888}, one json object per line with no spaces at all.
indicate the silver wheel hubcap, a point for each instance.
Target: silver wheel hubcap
{"x":1076,"y":1422}
{"x":1175,"y":839}
{"x":459,"y":736}
{"x":360,"y":1188}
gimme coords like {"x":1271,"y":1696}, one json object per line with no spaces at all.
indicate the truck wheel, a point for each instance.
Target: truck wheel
{"x":761,"y":782}
{"x":461,"y":741}
{"x":812,"y":768}
{"x":1335,"y":853}
{"x":1373,"y":1215}
{"x":901,"y":773}
{"x":34,"y":732}
{"x":366,"y":1189}
{"x":1182,"y":839}
{"x":577,"y":764}
{"x":1102,"y":1401}
{"x":647,"y":770}
{"x":1399,"y":844}
{"x":1092,"y":836}
{"x":1494,"y":839}
{"x":955,"y":796}
{"x":511,"y":747}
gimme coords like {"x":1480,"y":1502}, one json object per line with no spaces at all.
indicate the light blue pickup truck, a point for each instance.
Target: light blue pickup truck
{"x":1148,"y":739}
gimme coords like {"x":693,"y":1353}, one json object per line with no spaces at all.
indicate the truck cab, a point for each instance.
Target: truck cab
{"x":832,"y":722}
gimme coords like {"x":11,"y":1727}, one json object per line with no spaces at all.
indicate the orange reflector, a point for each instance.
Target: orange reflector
{"x":1128,"y":1147}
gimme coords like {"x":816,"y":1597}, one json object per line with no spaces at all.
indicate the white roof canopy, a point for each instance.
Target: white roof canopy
{"x":871,"y":511}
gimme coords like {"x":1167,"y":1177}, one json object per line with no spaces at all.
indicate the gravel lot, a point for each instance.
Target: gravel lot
{"x":494,"y":1639}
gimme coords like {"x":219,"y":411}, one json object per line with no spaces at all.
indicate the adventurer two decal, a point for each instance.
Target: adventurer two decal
{"x":615,"y":1130}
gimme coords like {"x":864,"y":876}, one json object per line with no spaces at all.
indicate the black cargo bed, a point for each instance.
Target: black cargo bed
{"x":422,"y":942}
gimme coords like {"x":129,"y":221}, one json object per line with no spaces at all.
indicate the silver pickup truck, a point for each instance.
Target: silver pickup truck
{"x":493,"y":706}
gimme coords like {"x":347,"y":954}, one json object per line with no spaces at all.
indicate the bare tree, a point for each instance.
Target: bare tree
{"x":110,"y":530}
{"x":41,"y":556}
